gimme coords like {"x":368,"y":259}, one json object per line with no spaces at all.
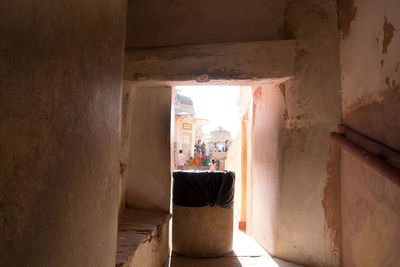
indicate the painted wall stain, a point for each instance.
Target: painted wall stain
{"x":373,"y":99}
{"x":285,"y":115}
{"x":382,"y":61}
{"x":390,"y":84}
{"x":387,"y":80}
{"x":388,"y":30}
{"x":257,"y":94}
{"x":282,"y":88}
{"x":347,"y":12}
{"x":331,"y":200}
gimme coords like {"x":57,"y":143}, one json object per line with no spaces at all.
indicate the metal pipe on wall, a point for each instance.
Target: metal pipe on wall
{"x":376,"y":162}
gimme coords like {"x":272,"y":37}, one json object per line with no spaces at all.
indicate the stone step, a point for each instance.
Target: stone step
{"x":142,"y":238}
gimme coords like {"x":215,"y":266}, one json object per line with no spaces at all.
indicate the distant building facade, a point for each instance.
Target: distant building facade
{"x":188,"y":128}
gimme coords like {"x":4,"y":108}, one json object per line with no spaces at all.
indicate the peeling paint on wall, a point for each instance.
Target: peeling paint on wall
{"x":388,"y":30}
{"x":331,"y":200}
{"x":387,"y":80}
{"x":257,"y":94}
{"x":347,"y":12}
{"x":377,"y":111}
{"x":312,"y":100}
{"x":373,"y":97}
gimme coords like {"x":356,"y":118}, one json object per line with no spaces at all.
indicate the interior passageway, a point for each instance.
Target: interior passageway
{"x":85,"y":127}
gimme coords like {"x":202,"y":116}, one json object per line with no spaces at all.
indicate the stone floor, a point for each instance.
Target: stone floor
{"x":246,"y":253}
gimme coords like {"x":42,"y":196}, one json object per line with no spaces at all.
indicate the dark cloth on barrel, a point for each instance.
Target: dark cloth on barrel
{"x":199,"y":189}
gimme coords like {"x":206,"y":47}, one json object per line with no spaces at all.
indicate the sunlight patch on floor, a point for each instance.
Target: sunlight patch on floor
{"x":246,"y":253}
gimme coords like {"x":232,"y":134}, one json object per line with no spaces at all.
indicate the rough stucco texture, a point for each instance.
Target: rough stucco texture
{"x":61,"y":77}
{"x":307,"y":231}
{"x":153,"y":23}
{"x":149,"y":178}
{"x":370,"y":65}
{"x":233,"y":61}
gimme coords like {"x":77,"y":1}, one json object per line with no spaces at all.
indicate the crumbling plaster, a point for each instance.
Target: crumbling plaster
{"x":370,"y":76}
{"x":236,"y":63}
{"x":308,"y":233}
{"x":369,"y":54}
{"x":61,"y":70}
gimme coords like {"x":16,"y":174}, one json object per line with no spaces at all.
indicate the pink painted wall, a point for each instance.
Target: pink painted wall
{"x":264,"y":195}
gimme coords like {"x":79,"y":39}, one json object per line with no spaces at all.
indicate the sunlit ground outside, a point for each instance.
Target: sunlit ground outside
{"x":246,"y":252}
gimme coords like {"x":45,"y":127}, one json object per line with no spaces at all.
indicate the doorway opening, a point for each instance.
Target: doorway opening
{"x":216,"y":123}
{"x":206,"y":124}
{"x":211,"y":133}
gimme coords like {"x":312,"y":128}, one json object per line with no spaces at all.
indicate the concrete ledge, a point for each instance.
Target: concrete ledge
{"x":142,"y":238}
{"x":232,"y":62}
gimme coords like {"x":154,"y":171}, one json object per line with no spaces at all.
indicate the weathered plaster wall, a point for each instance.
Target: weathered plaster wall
{"x":212,"y":62}
{"x":61,"y":72}
{"x":149,"y":178}
{"x":309,"y":218}
{"x":370,"y":65}
{"x":371,"y":216}
{"x":268,"y":115}
{"x":153,"y":23}
{"x":128,"y":100}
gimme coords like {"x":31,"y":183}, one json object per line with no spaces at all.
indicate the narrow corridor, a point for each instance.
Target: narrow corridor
{"x":87,"y":101}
